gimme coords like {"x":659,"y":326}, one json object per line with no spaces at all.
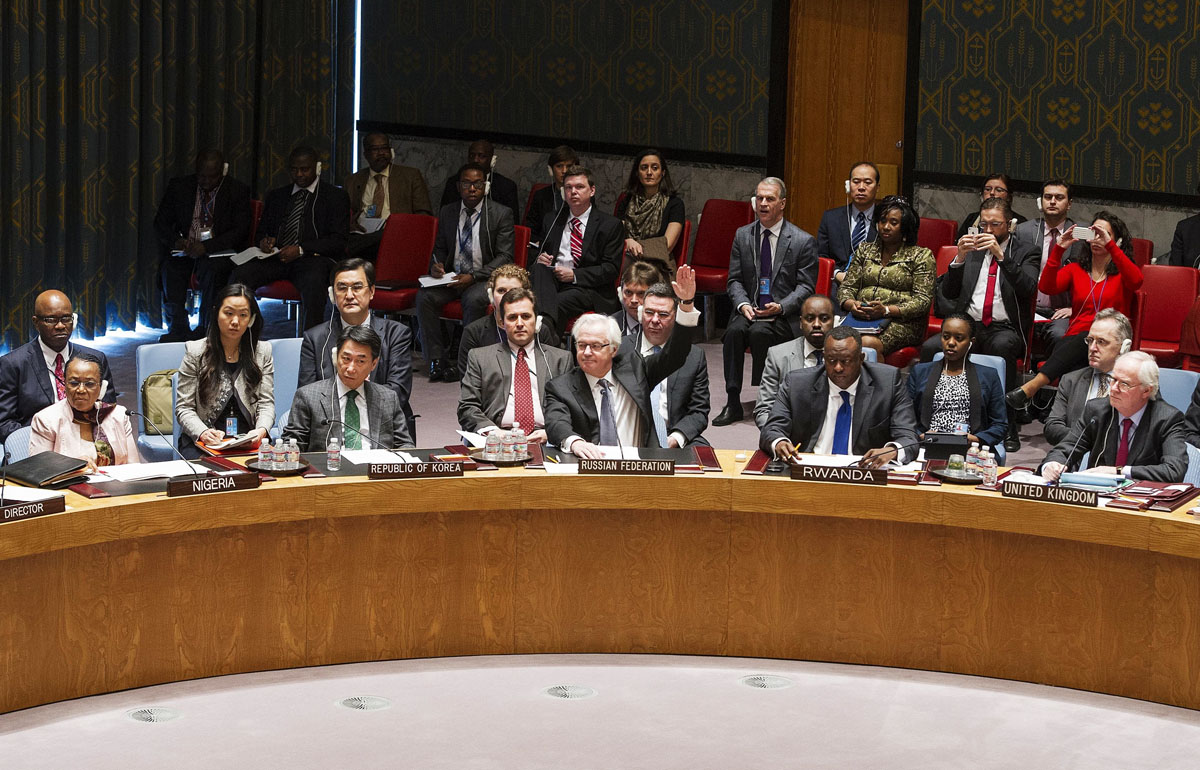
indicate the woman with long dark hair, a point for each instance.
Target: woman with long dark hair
{"x":227,"y":379}
{"x":651,"y":212}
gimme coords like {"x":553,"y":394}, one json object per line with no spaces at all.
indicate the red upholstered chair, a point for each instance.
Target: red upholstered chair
{"x":718,"y":222}
{"x":452,"y":311}
{"x":1143,"y":251}
{"x":529,"y":201}
{"x":285,"y":291}
{"x":1160,"y":306}
{"x":680,"y":250}
{"x":936,"y":233}
{"x":824,"y":275}
{"x":404,"y":256}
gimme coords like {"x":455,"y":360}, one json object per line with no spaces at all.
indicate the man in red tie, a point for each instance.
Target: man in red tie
{"x":577,"y":270}
{"x":993,"y":279}
{"x":32,"y":377}
{"x":1133,"y":432}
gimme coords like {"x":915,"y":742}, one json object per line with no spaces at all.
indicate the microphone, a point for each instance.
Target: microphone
{"x":331,"y":423}
{"x":146,"y":421}
{"x":899,"y":446}
{"x":1075,"y":446}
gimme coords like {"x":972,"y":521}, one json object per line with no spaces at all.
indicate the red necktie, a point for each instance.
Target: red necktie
{"x":576,"y":240}
{"x":1123,"y":447}
{"x":523,"y":394}
{"x":989,"y":292}
{"x":60,"y":389}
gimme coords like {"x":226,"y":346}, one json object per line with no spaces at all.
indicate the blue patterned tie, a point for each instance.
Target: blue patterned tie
{"x":608,"y":420}
{"x":859,"y":234}
{"x":841,"y":428}
{"x":660,"y":422}
{"x":465,"y":260}
{"x":764,"y":270}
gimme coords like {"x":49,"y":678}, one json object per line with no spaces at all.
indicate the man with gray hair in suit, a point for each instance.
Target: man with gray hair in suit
{"x":772,"y":268}
{"x":348,"y":405}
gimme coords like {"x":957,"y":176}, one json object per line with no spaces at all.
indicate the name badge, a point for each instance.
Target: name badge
{"x":206,"y":234}
{"x":372,"y":211}
{"x":764,"y":286}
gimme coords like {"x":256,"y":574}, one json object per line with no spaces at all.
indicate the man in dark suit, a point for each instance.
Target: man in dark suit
{"x":636,"y":278}
{"x":474,"y":237}
{"x":503,"y":189}
{"x":489,"y":330}
{"x":352,"y":286}
{"x":994,"y":186}
{"x":816,"y":321}
{"x":606,"y":401}
{"x":1185,"y":245}
{"x":1133,"y":432}
{"x":581,"y":256}
{"x":348,"y":405}
{"x":33,"y":376}
{"x":844,"y":228}
{"x":766,"y":301}
{"x":1111,"y":335}
{"x":847,"y":407}
{"x":992,"y":279}
{"x":1043,"y":232}
{"x":378,"y":191}
{"x":680,"y":402}
{"x":492,"y":396}
{"x":548,"y":201}
{"x":200,"y":214}
{"x":307,"y":222}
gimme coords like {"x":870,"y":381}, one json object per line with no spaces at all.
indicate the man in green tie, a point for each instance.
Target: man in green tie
{"x":348,"y":406}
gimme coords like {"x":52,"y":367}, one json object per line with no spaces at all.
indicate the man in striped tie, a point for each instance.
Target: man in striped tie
{"x":581,"y":256}
{"x":845,"y":228}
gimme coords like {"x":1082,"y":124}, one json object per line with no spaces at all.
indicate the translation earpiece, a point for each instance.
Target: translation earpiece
{"x":847,"y":186}
{"x":331,"y":295}
{"x":1013,"y":222}
{"x":392,"y":153}
{"x":1039,"y":203}
{"x":1126,"y":346}
{"x":319,"y":167}
{"x":537,"y":325}
{"x":103,"y":388}
{"x":639,"y":314}
{"x":225,"y":170}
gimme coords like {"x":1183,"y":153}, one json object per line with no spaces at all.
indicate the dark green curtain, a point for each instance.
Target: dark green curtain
{"x":108,"y":99}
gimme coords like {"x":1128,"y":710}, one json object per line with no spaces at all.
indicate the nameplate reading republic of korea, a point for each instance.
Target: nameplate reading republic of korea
{"x":1087,"y":498}
{"x":203,"y":485}
{"x":18,"y":511}
{"x":423,"y":470}
{"x":873,"y":476}
{"x":627,"y":467}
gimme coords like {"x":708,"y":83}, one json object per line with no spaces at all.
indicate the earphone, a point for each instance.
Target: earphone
{"x":1126,"y":346}
{"x":319,"y":167}
{"x":847,"y":186}
{"x":225,"y":170}
{"x":103,"y":388}
{"x":1039,"y":203}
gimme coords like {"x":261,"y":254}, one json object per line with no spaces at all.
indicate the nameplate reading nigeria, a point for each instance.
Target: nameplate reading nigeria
{"x":18,"y":511}
{"x":203,"y":485}
{"x":1084,"y":497}
{"x":628,"y":467}
{"x":423,"y":470}
{"x":871,"y":476}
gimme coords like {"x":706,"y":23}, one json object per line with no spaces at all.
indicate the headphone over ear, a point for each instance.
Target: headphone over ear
{"x":1126,"y":345}
{"x":331,"y":299}
{"x":639,"y":314}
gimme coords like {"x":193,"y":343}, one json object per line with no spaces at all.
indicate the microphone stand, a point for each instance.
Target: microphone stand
{"x":373,"y":442}
{"x":146,"y":421}
{"x":4,"y":476}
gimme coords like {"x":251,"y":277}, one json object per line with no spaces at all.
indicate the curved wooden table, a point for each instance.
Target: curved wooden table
{"x":143,"y":590}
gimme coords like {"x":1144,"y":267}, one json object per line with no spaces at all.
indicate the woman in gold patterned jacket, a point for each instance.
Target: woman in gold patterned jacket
{"x":890,"y":280}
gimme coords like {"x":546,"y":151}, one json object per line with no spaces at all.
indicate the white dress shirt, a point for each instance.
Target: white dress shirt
{"x":663,"y":406}
{"x":50,"y":355}
{"x":1137,"y":420}
{"x":539,"y":418}
{"x":476,"y":248}
{"x":312,"y":188}
{"x":1044,"y":300}
{"x":564,"y":258}
{"x":369,"y":194}
{"x":625,"y":411}
{"x":364,"y":424}
{"x":824,"y":445}
{"x":975,"y":309}
{"x":808,"y":353}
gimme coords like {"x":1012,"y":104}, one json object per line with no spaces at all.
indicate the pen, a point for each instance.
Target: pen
{"x":551,"y":458}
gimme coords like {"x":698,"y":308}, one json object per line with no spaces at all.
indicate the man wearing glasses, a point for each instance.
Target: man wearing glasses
{"x":995,"y":186}
{"x":351,"y":288}
{"x":33,"y":376}
{"x":474,"y":237}
{"x":378,"y":191}
{"x":608,"y":400}
{"x":1132,"y":432}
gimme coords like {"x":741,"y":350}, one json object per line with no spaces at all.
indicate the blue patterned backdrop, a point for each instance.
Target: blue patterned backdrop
{"x":688,"y":74}
{"x":1100,"y":93}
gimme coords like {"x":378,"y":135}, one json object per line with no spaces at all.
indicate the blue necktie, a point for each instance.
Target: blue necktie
{"x":841,"y":428}
{"x":764,"y":270}
{"x":660,"y":422}
{"x":465,"y":260}
{"x":608,"y":419}
{"x":859,"y":234}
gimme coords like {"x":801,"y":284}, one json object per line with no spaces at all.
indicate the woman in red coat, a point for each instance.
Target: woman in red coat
{"x":1106,"y":277}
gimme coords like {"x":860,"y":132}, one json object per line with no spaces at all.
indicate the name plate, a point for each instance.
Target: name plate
{"x":628,"y":467}
{"x":18,"y":511}
{"x":203,"y":485}
{"x":1084,"y":497}
{"x":425,"y":470}
{"x":872,"y":476}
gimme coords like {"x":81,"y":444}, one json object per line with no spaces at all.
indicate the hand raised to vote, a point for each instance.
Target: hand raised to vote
{"x":684,"y":283}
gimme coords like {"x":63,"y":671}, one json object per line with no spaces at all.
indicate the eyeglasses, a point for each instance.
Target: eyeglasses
{"x":1115,"y":383}
{"x":89,"y":384}
{"x":661,"y":315}
{"x":344,"y":288}
{"x":55,"y":320}
{"x":380,"y":148}
{"x":595,"y":346}
{"x":995,"y":190}
{"x":990,"y":225}
{"x":467,"y":185}
{"x":1099,"y":342}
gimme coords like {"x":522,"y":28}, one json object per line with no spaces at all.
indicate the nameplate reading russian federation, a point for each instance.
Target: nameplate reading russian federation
{"x":203,"y":485}
{"x":18,"y":511}
{"x":873,"y":476}
{"x":1065,"y":495}
{"x":628,"y":467}
{"x":425,"y":470}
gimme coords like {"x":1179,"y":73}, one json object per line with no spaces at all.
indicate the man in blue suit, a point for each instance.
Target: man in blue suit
{"x":844,"y":228}
{"x":32,"y":377}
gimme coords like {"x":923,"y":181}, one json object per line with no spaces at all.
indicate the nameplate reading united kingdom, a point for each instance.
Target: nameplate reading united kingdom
{"x":203,"y":485}
{"x":19,"y":511}
{"x":627,"y":467}
{"x":1087,"y":498}
{"x":873,"y":476}
{"x":423,"y":470}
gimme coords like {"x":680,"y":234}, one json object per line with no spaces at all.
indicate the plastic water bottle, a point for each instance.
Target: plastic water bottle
{"x":293,"y":453}
{"x":520,"y":443}
{"x":506,"y":446}
{"x":972,"y":467}
{"x":987,"y":467}
{"x":333,"y":454}
{"x":266,"y":458}
{"x":491,"y":450}
{"x":280,"y":454}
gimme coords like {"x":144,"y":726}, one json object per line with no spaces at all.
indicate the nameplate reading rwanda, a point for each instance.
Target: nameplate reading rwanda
{"x":203,"y":485}
{"x":872,"y":476}
{"x":18,"y":511}
{"x":424,"y":470}
{"x":1084,"y":497}
{"x":628,"y":467}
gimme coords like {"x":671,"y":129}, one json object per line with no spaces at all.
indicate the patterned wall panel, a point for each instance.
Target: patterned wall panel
{"x":676,"y":73}
{"x":1101,"y":93}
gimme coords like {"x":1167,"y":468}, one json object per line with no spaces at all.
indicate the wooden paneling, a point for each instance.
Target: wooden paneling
{"x":846,"y":90}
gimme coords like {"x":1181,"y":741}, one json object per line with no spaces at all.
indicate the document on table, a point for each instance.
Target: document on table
{"x":619,"y":453}
{"x":472,"y":439}
{"x":14,"y":494}
{"x":368,"y":456}
{"x":242,"y":257}
{"x":139,"y":471}
{"x":429,"y":280}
